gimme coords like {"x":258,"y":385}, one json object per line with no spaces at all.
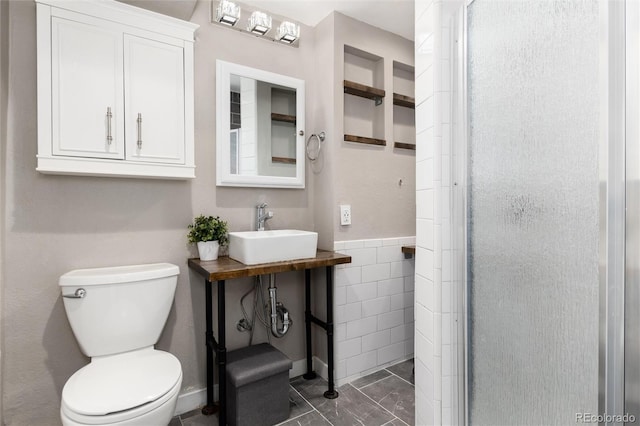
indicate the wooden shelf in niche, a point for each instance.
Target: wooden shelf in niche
{"x":368,"y":92}
{"x":409,"y":249}
{"x":283,"y":160}
{"x":283,"y":117}
{"x":402,"y":145}
{"x":404,"y":101}
{"x":362,"y":139}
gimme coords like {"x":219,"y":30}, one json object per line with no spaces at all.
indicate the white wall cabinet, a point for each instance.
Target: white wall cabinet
{"x":154,"y":70}
{"x":115,"y":91}
{"x":85,"y":64}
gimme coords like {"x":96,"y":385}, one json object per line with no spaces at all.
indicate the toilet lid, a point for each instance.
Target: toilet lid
{"x":121,"y":382}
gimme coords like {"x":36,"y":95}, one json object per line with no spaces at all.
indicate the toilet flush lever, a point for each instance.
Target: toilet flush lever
{"x":79,"y":294}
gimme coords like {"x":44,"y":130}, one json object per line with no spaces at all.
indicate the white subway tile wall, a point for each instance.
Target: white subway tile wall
{"x":435,"y":308}
{"x":374,"y":320}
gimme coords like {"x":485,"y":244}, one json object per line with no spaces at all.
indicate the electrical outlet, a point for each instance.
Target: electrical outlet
{"x":345,"y":214}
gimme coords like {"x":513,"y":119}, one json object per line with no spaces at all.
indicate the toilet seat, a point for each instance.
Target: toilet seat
{"x":117,"y":388}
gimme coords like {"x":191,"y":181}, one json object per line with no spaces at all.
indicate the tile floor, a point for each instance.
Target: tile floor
{"x":385,"y":397}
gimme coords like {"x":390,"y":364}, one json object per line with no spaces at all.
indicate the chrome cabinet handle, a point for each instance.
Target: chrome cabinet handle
{"x":139,"y":120}
{"x":79,"y":294}
{"x":109,"y":116}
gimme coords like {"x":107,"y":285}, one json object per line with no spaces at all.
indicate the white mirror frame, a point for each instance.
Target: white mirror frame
{"x":224,"y":70}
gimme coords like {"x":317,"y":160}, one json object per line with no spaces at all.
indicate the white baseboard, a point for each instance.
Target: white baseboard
{"x":321,"y":368}
{"x":349,"y":379}
{"x":194,"y":399}
{"x":191,"y":400}
{"x":298,"y":369}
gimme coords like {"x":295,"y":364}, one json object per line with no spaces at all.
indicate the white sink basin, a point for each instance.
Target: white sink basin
{"x":255,"y":247}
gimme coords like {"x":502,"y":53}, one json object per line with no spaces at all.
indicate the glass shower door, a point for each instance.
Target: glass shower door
{"x":532,"y":211}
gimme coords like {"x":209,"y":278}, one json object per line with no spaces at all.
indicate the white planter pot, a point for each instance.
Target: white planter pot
{"x":208,"y":250}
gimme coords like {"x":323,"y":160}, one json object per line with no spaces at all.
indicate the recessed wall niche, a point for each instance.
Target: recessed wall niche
{"x":404,"y":120}
{"x":363,"y":97}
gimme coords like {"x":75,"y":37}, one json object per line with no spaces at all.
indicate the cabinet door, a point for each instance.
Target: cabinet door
{"x":154,"y":100}
{"x":87,"y":94}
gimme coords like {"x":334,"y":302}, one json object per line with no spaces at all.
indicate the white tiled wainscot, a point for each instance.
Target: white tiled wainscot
{"x":373,"y":306}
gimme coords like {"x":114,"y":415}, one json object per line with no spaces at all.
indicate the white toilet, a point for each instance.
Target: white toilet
{"x":117,"y":315}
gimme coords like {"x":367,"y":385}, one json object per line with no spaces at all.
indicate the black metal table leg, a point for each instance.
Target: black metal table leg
{"x":331,"y":393}
{"x":310,"y":374}
{"x":221,"y":358}
{"x":210,"y":408}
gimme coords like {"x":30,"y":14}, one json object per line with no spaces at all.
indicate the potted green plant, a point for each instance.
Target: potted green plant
{"x":209,"y":233}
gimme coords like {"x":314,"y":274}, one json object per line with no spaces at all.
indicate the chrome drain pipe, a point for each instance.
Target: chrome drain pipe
{"x":278,"y":311}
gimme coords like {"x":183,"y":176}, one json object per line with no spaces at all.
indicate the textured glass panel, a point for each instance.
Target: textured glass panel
{"x":533,"y":211}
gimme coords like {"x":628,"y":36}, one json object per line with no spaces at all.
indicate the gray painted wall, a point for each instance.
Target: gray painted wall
{"x":58,"y":223}
{"x":4,"y":64}
{"x":53,"y":224}
{"x":367,"y":177}
{"x":363,"y":176}
{"x":321,"y":110}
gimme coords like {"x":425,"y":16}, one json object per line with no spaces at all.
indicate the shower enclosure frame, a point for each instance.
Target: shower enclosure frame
{"x":632,"y":254}
{"x":614,"y":244}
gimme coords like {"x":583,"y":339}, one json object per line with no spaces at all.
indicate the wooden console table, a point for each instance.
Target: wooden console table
{"x":225,"y":268}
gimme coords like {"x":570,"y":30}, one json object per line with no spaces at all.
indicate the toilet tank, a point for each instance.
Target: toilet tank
{"x":123,"y":308}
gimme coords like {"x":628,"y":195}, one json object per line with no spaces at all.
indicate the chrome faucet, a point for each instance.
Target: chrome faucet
{"x":262,"y":216}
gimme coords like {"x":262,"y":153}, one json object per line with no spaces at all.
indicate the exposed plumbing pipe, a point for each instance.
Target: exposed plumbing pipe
{"x":277,"y":310}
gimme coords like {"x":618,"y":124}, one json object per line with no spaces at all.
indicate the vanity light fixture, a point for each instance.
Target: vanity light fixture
{"x":259,"y":23}
{"x":228,"y":13}
{"x":288,"y":32}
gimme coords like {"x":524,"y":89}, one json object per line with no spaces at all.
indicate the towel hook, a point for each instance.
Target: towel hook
{"x":319,"y":138}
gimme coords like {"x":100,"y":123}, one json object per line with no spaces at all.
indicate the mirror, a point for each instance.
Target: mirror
{"x":259,"y":128}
